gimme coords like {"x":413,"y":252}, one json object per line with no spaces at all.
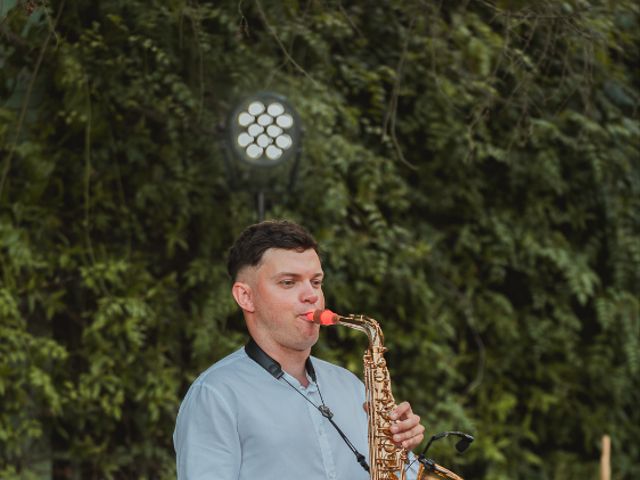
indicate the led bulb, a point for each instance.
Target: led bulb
{"x":284,"y":141}
{"x":254,"y":151}
{"x":256,"y":108}
{"x":275,"y":109}
{"x":285,"y":121}
{"x":273,"y":152}
{"x":264,"y":140}
{"x":255,"y":130}
{"x":273,"y":131}
{"x":265,"y":120}
{"x":244,"y":139}
{"x":245,"y":119}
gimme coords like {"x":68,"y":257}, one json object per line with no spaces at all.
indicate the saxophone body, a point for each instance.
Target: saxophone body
{"x":386,"y":460}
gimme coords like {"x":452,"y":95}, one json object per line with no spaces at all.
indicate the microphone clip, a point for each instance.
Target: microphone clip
{"x":326,"y":412}
{"x":461,"y":445}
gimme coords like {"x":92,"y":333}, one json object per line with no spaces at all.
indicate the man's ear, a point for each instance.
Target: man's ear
{"x":244,"y":296}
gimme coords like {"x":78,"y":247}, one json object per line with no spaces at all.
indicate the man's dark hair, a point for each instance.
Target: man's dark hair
{"x":256,"y":239}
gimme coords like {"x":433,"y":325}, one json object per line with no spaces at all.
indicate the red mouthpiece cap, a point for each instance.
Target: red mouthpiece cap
{"x":323,"y":317}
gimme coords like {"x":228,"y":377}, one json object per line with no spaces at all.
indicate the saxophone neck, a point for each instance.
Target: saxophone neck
{"x":357,"y":322}
{"x":366,"y":325}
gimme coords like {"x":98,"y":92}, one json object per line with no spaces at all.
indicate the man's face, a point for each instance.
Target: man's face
{"x":284,"y":286}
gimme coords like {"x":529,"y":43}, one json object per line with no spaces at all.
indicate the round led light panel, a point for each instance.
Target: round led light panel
{"x":264,"y":130}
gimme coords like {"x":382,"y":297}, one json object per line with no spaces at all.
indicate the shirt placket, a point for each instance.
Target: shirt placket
{"x":320,"y":425}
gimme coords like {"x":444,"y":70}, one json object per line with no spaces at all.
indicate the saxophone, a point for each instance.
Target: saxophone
{"x":387,"y":461}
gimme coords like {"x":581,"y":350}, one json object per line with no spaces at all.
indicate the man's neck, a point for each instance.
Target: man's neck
{"x":296,"y":370}
{"x":292,"y":361}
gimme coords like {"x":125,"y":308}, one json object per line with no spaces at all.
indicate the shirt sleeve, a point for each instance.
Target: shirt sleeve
{"x":206,"y":437}
{"x":414,"y":466}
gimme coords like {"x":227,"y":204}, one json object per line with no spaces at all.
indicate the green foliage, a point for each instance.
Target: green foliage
{"x":470,"y":169}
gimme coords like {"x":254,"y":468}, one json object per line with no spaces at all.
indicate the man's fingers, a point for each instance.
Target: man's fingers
{"x":406,"y":429}
{"x":407,"y":424}
{"x":416,"y":431}
{"x":402,"y":410}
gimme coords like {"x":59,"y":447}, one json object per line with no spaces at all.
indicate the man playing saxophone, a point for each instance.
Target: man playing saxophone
{"x":270,"y":410}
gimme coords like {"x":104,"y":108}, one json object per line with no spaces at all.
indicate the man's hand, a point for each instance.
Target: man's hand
{"x":407,"y":430}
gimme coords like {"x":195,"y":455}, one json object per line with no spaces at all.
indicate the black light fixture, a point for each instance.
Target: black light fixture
{"x":264,"y":137}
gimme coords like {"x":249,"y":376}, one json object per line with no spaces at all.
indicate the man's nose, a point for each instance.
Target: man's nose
{"x":309,"y":293}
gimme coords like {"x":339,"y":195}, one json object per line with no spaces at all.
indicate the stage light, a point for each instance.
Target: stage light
{"x":263,"y":131}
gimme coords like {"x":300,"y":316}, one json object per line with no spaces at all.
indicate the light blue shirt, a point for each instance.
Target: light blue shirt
{"x":238,"y":422}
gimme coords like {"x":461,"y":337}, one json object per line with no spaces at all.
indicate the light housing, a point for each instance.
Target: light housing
{"x":263,"y":141}
{"x":264,"y":130}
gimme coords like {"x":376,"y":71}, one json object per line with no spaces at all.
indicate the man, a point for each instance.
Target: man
{"x":269,"y":410}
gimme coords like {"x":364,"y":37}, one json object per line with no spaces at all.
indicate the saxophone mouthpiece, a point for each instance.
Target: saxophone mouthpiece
{"x":322,"y":317}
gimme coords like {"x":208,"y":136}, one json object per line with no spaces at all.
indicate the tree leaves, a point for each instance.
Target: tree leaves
{"x":470,"y":170}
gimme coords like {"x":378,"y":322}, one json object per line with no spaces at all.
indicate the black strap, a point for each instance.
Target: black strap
{"x":269,"y":364}
{"x":263,"y":359}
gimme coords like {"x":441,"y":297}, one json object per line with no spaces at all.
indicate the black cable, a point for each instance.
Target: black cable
{"x":328,"y":414}
{"x":461,"y":446}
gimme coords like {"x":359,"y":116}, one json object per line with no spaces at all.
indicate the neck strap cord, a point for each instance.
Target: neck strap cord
{"x":273,"y":367}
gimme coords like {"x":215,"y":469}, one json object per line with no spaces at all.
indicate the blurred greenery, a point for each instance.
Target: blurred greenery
{"x":471,"y":169}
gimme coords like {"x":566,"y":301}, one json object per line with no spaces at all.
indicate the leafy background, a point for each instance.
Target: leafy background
{"x":471,"y":169}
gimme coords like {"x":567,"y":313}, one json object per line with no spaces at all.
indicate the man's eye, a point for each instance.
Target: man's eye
{"x":317,"y":283}
{"x":287,"y":283}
